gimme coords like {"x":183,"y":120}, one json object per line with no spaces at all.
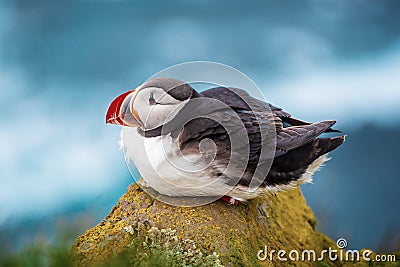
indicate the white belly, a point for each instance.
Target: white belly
{"x":163,"y":168}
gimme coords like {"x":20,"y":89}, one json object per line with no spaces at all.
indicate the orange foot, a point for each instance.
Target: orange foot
{"x":230,"y":200}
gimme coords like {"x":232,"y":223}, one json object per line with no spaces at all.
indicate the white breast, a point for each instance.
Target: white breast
{"x":163,"y":168}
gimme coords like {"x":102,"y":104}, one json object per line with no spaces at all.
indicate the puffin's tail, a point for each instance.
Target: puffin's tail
{"x":298,"y":165}
{"x":326,"y":145}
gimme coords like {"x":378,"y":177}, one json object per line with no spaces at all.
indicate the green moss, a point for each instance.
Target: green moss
{"x":163,"y":248}
{"x":213,"y":234}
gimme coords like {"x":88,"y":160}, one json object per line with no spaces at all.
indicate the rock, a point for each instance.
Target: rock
{"x":140,"y":229}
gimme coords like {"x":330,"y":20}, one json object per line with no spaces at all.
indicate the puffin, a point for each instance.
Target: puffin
{"x":220,"y":142}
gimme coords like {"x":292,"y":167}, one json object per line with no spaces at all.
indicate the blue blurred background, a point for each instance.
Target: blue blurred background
{"x":62,"y":63}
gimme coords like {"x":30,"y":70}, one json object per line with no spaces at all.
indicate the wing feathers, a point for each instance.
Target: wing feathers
{"x":295,"y":136}
{"x":297,"y":141}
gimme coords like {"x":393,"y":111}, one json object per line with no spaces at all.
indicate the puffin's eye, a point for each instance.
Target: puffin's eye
{"x":152,"y":101}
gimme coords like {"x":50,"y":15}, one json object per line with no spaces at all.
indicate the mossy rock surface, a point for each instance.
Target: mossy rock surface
{"x":147,"y":232}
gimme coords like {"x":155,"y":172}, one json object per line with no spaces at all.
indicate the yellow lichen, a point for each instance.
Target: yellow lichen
{"x":234,"y":233}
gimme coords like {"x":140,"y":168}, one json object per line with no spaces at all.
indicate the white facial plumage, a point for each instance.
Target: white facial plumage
{"x":155,"y":107}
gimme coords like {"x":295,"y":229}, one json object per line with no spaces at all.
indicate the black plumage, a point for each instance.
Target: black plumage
{"x":297,"y":141}
{"x":297,"y":145}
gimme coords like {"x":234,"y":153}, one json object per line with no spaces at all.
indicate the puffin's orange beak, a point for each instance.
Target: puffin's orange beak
{"x":121,"y":112}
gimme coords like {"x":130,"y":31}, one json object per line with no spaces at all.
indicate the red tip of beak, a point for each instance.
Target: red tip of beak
{"x":114,"y":110}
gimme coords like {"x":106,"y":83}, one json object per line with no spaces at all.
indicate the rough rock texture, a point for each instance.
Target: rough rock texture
{"x":148,"y":233}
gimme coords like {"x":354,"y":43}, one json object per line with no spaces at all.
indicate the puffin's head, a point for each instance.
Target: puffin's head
{"x":150,"y":105}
